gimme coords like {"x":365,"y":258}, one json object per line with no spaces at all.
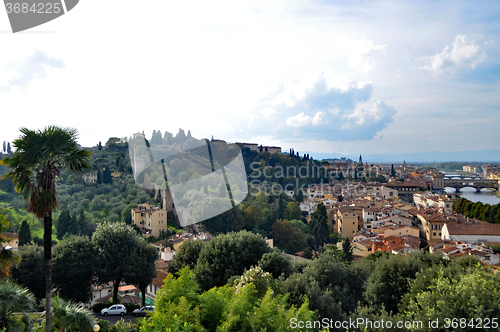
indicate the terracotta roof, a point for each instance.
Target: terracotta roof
{"x":127,"y":299}
{"x":473,"y":229}
{"x":161,"y":264}
{"x":449,"y":249}
{"x":160,"y":276}
{"x":106,"y":298}
{"x":10,"y":235}
{"x":479,"y":253}
{"x":366,"y":242}
{"x":126,"y":288}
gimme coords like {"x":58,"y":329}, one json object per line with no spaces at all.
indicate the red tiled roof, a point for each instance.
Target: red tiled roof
{"x":160,"y":276}
{"x":473,"y":229}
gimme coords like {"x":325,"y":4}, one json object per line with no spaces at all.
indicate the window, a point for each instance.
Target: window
{"x":434,"y":233}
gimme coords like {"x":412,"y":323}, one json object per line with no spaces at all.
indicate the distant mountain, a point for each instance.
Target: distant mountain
{"x":491,"y":155}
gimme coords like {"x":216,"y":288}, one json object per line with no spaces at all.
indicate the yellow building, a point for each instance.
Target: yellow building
{"x":432,"y":225}
{"x":150,"y":219}
{"x":348,"y":220}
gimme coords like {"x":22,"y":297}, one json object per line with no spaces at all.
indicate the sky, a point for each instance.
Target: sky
{"x":345,"y":77}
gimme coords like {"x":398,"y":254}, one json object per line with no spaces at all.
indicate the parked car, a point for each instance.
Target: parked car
{"x":116,"y":309}
{"x":144,"y":310}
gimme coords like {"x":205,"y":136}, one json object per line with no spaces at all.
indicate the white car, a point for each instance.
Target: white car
{"x":116,"y":309}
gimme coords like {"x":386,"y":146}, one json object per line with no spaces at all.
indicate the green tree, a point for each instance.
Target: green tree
{"x":127,"y":213}
{"x":187,"y":255}
{"x":39,"y":159}
{"x":62,"y":223}
{"x":319,"y":225}
{"x":73,"y":268}
{"x":29,"y":272}
{"x":176,"y":305}
{"x":143,"y":270}
{"x":347,"y":249}
{"x":390,"y":279}
{"x":293,"y":210}
{"x":393,"y":172}
{"x":252,"y":217}
{"x":276,"y":263}
{"x":303,"y":287}
{"x":228,"y":255}
{"x":24,"y":234}
{"x":16,"y":303}
{"x":299,"y":195}
{"x":461,"y":300}
{"x":282,"y":232}
{"x":118,"y":250}
{"x":106,"y":176}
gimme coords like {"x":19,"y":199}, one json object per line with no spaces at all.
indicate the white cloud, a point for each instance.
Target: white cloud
{"x":366,"y":117}
{"x":463,"y":53}
{"x":35,"y":66}
{"x":360,"y":52}
{"x":322,"y":111}
{"x":268,"y":111}
{"x":319,"y":118}
{"x":299,"y":120}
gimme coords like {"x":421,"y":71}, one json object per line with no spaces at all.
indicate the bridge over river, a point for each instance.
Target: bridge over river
{"x":463,"y":182}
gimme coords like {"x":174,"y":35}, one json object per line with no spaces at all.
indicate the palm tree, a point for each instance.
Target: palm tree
{"x":39,"y":159}
{"x":15,"y":302}
{"x":71,"y":316}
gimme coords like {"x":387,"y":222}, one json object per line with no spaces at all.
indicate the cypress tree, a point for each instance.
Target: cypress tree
{"x":281,"y":208}
{"x":62,"y":224}
{"x":347,"y":249}
{"x":24,"y":234}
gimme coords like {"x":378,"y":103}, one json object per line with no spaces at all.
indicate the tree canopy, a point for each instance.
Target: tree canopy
{"x":228,"y":255}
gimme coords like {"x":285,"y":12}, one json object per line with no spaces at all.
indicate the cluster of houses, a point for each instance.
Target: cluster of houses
{"x":399,"y":218}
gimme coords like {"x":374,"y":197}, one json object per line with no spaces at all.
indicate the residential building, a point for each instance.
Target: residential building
{"x":90,"y":177}
{"x":471,"y":232}
{"x":150,"y":219}
{"x":348,"y":220}
{"x":405,"y":189}
{"x":437,"y":180}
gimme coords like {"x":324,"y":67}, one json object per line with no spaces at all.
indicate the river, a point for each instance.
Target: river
{"x":485,"y":196}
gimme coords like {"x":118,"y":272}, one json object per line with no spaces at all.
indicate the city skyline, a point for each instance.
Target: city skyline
{"x":324,"y":78}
